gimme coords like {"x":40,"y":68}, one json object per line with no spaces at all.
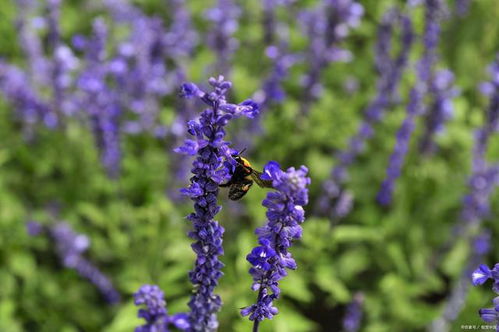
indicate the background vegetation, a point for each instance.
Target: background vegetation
{"x":138,"y":234}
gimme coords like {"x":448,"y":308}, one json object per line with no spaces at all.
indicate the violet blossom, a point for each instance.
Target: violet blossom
{"x":70,"y":247}
{"x":454,"y":303}
{"x":442,"y":91}
{"x":271,"y":258}
{"x":326,"y":26}
{"x":434,"y":9}
{"x":479,"y":277}
{"x":155,"y":313}
{"x":224,"y":17}
{"x":100,"y":100}
{"x":484,"y":177}
{"x":209,"y":171}
{"x":335,"y":201}
{"x":353,"y":314}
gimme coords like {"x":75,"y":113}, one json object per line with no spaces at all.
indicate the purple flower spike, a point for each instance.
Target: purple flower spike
{"x":335,"y":201}
{"x":353,"y":315}
{"x":210,"y":170}
{"x":479,"y":276}
{"x":224,"y":16}
{"x":442,"y":92}
{"x":271,"y":259}
{"x":70,"y":247}
{"x":326,"y":26}
{"x":155,"y":313}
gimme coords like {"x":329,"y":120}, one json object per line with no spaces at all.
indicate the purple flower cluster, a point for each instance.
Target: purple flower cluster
{"x":271,"y":91}
{"x":336,"y":201}
{"x":480,"y":246}
{"x":100,"y":99}
{"x":209,"y":170}
{"x":479,"y":277}
{"x":155,"y":313}
{"x":271,"y":258}
{"x":442,"y":92}
{"x":70,"y":247}
{"x":433,"y":14}
{"x":224,"y":16}
{"x":484,"y":177}
{"x":354,"y":313}
{"x":403,"y":136}
{"x":462,"y":7}
{"x":491,"y":125}
{"x":27,"y":89}
{"x":326,"y":26}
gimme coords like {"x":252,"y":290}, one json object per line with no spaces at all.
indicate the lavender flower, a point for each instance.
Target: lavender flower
{"x":480,"y":246}
{"x":462,"y":7}
{"x":415,"y":107}
{"x":208,"y":171}
{"x":442,"y":92}
{"x":101,"y":101}
{"x":155,"y":313}
{"x":30,"y":107}
{"x":271,"y":259}
{"x":479,"y":277}
{"x":70,"y":247}
{"x":326,"y":26}
{"x":434,"y":12}
{"x":353,"y":315}
{"x":269,"y":22}
{"x":484,"y":177}
{"x":271,"y":91}
{"x":29,"y":38}
{"x":393,"y":171}
{"x":490,"y":89}
{"x":334,"y":198}
{"x":224,"y":17}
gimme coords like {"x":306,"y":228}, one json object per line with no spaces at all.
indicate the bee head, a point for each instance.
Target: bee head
{"x":240,"y":160}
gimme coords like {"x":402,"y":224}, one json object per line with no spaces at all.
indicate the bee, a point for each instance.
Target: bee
{"x":243,"y":177}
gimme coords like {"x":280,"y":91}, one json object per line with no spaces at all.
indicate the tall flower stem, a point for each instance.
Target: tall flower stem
{"x":210,"y":169}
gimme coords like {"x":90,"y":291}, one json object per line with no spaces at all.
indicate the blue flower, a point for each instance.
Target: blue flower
{"x":209,"y":169}
{"x":271,"y":259}
{"x":260,"y":256}
{"x":335,"y":201}
{"x":155,"y":313}
{"x":481,"y":275}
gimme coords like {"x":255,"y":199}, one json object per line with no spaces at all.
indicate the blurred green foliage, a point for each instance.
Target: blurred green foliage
{"x":139,"y":236}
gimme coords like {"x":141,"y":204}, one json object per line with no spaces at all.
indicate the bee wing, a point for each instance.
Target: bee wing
{"x":257,"y":177}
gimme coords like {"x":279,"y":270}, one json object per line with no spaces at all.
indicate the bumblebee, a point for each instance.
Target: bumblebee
{"x":242,"y":179}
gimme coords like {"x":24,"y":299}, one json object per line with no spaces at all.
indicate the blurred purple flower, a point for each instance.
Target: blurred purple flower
{"x":462,"y":7}
{"x":326,"y":26}
{"x":393,"y":171}
{"x":442,"y":91}
{"x":70,"y":247}
{"x":224,"y":17}
{"x":155,"y":313}
{"x":434,"y":9}
{"x":334,"y":199}
{"x":454,"y":303}
{"x":354,"y":313}
{"x":479,"y":277}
